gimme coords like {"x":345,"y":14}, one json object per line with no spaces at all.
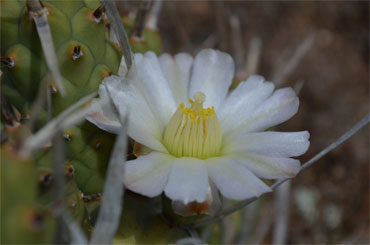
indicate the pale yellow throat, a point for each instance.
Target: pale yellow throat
{"x":195,"y":131}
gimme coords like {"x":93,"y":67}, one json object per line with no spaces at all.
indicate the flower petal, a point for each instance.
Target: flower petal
{"x":242,"y":101}
{"x":188,"y":180}
{"x":233,"y":180}
{"x":148,"y":174}
{"x":212,"y":74}
{"x":268,"y":167}
{"x":211,"y":205}
{"x":281,"y":106}
{"x":274,"y":144}
{"x":177,"y":72}
{"x":103,"y":117}
{"x":154,"y":87}
{"x":143,"y":126}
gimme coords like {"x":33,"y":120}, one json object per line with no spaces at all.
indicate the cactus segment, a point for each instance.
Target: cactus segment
{"x":23,"y":220}
{"x":89,"y":32}
{"x":84,"y":65}
{"x":25,"y":71}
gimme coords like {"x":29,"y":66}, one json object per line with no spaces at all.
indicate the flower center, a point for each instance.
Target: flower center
{"x":195,"y":131}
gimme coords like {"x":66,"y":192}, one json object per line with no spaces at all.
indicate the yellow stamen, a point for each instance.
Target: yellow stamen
{"x":195,"y":131}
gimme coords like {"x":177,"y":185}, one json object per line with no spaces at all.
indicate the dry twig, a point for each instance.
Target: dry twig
{"x":140,"y":18}
{"x":237,"y":42}
{"x":119,"y":30}
{"x":111,"y":208}
{"x":282,"y":208}
{"x":283,"y":73}
{"x":253,"y":56}
{"x":39,"y":15}
{"x":63,"y":120}
{"x":65,"y":221}
{"x":152,"y":22}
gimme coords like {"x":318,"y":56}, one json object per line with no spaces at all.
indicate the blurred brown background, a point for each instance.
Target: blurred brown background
{"x":330,"y":200}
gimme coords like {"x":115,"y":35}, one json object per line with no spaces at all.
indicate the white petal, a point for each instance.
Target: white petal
{"x":242,"y":101}
{"x":177,"y":72}
{"x":233,"y":180}
{"x":105,"y":115}
{"x":117,"y":87}
{"x":268,"y":167}
{"x":188,"y":180}
{"x":143,"y":126}
{"x":281,"y":106}
{"x":104,"y":118}
{"x":148,"y":174}
{"x":211,"y":205}
{"x":275,"y":144}
{"x":138,"y":58}
{"x":212,"y":74}
{"x":154,"y":87}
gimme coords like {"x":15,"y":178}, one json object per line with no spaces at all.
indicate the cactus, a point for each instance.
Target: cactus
{"x":86,"y":55}
{"x":80,"y":36}
{"x":75,"y":199}
{"x":25,"y":219}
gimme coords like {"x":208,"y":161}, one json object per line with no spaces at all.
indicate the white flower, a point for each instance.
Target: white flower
{"x":199,"y":133}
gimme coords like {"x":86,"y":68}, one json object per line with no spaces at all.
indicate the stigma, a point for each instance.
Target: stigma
{"x":195,"y":131}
